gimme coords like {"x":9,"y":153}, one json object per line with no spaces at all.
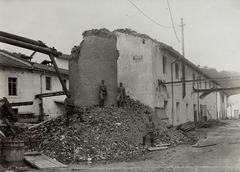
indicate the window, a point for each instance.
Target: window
{"x":210,"y":85}
{"x":12,"y":86}
{"x":164,"y":62}
{"x":177,"y":111}
{"x":15,"y":110}
{"x":176,"y":71}
{"x":205,"y":84}
{"x":48,"y":83}
{"x":222,"y":98}
{"x":199,"y":82}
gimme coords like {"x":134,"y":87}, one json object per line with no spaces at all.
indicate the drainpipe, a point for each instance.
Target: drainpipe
{"x":173,"y":89}
{"x":198,"y":94}
{"x":41,"y":105}
{"x":216,"y":105}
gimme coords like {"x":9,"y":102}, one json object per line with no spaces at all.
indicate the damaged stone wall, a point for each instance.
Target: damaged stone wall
{"x":94,"y":60}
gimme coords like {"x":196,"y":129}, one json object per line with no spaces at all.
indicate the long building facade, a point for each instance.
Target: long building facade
{"x":144,"y":64}
{"x":22,"y":80}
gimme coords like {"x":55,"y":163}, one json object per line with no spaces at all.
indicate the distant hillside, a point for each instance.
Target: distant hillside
{"x":229,"y":78}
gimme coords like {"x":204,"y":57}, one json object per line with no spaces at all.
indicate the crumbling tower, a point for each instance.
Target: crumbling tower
{"x":94,"y":60}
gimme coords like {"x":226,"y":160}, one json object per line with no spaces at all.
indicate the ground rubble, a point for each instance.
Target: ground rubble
{"x":211,"y":123}
{"x":109,"y":134}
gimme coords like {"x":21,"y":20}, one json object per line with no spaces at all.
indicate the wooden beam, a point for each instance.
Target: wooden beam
{"x":43,"y":162}
{"x":44,"y":50}
{"x":16,"y":37}
{"x":59,"y":75}
{"x":51,"y":94}
{"x":216,"y":89}
{"x":21,"y":103}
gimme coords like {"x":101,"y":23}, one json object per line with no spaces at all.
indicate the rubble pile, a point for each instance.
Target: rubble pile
{"x":105,"y":33}
{"x":109,"y":134}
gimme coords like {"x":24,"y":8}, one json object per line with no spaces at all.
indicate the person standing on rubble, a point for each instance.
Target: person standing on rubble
{"x":150,"y":127}
{"x":120,"y":95}
{"x":102,"y":93}
{"x":70,"y":109}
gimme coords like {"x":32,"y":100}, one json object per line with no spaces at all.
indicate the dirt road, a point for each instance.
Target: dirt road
{"x":224,"y":156}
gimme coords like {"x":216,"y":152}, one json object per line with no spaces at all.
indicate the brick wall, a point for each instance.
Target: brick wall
{"x":97,"y":60}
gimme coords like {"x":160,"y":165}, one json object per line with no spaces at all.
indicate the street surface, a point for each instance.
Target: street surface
{"x":225,"y":156}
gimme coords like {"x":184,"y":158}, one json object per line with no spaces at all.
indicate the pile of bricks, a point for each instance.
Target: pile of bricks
{"x":109,"y":134}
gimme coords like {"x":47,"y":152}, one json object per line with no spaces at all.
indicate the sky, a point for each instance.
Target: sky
{"x":211,"y":31}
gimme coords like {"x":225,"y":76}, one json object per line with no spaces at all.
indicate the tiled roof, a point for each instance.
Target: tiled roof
{"x":48,"y":68}
{"x":10,"y":62}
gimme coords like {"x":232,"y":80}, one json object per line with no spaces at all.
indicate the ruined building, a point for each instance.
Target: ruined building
{"x":142,"y":65}
{"x":94,"y":60}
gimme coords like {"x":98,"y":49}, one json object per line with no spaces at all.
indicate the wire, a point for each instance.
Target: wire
{"x":147,"y":16}
{"x":172,"y":21}
{"x":174,"y":40}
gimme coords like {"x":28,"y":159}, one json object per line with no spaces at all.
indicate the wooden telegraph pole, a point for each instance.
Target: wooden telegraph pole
{"x":182,"y":25}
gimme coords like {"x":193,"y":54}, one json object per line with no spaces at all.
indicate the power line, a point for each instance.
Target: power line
{"x":147,"y":16}
{"x":172,"y":21}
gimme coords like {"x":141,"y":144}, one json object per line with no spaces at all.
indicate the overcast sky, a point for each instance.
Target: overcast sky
{"x":211,"y":31}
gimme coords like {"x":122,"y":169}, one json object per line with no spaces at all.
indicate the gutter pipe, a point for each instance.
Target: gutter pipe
{"x":198,"y":95}
{"x":173,"y":89}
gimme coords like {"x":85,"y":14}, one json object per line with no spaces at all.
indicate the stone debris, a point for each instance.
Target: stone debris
{"x":143,"y":36}
{"x":109,"y":134}
{"x":188,"y":126}
{"x":105,"y":33}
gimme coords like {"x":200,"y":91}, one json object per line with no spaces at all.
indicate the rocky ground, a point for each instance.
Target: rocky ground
{"x":110,"y":134}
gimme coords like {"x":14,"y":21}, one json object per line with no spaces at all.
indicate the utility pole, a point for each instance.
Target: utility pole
{"x":182,"y":25}
{"x":183,"y":65}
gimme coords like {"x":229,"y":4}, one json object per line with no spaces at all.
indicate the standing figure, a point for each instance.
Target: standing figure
{"x":69,"y":106}
{"x":150,"y":127}
{"x":120,"y":95}
{"x":70,"y":109}
{"x":102,"y":94}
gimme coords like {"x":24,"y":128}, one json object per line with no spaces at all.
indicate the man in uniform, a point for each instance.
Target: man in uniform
{"x":120,"y":95}
{"x":102,"y":93}
{"x":70,"y":109}
{"x":150,"y":127}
